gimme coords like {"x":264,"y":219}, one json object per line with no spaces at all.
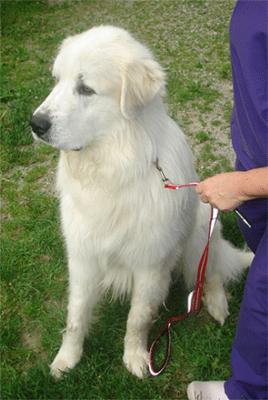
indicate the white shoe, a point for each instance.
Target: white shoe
{"x":213,"y":390}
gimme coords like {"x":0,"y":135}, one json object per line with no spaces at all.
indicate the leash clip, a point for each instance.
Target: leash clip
{"x":163,"y":176}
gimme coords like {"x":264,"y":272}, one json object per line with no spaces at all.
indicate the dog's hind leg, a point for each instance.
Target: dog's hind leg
{"x":225,"y":263}
{"x":149,"y":292}
{"x":214,"y":298}
{"x":83,"y":295}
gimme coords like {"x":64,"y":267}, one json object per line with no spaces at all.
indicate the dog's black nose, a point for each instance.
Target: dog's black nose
{"x":40,"y":123}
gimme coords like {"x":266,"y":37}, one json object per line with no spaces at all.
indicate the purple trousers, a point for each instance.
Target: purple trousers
{"x":249,"y":358}
{"x":248,"y":44}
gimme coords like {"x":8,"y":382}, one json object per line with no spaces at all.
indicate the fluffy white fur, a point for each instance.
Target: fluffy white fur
{"x":123,"y":230}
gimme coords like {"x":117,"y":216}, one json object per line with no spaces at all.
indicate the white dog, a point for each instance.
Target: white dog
{"x":123,"y":230}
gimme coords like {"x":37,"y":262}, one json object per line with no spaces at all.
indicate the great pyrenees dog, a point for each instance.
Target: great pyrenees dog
{"x":123,"y":230}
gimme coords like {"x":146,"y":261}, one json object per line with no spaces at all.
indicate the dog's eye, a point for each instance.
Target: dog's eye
{"x":85,"y":90}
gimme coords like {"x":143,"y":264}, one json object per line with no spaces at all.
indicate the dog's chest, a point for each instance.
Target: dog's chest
{"x":123,"y":224}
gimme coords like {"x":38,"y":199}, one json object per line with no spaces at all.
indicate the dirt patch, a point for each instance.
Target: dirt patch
{"x":32,"y":340}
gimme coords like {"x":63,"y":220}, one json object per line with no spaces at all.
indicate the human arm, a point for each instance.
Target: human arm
{"x":229,"y":190}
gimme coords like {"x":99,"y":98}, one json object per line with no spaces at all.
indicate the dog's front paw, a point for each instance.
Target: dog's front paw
{"x":58,"y":367}
{"x":136,"y":361}
{"x":63,"y":362}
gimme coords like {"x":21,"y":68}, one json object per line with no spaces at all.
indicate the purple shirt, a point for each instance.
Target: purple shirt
{"x":248,"y":45}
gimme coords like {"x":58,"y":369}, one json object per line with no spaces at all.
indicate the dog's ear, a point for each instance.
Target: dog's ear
{"x":141,"y":82}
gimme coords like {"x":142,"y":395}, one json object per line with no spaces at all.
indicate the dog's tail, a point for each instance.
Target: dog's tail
{"x":246,"y":258}
{"x":227,"y":261}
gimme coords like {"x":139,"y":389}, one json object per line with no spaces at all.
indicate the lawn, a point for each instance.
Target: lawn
{"x":190,"y":39}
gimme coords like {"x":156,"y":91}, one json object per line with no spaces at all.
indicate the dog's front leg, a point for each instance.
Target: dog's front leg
{"x":83,"y":295}
{"x":149,"y":292}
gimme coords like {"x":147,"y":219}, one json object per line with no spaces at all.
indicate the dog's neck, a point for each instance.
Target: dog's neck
{"x":115,"y":158}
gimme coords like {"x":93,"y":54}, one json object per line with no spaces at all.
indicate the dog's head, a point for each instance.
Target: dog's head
{"x":102,"y":76}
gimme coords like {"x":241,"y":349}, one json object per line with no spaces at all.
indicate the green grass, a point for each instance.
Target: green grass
{"x":190,"y":39}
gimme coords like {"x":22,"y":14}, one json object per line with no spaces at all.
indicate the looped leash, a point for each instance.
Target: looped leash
{"x":194,"y":298}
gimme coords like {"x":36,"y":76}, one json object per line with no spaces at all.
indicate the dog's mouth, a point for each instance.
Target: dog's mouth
{"x":45,"y":139}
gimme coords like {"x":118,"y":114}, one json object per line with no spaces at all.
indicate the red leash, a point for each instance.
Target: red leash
{"x":194,"y":298}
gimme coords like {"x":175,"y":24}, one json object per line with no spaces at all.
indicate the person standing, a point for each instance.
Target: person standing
{"x":246,"y":189}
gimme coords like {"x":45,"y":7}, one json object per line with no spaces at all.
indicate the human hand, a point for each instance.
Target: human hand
{"x":223,"y":191}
